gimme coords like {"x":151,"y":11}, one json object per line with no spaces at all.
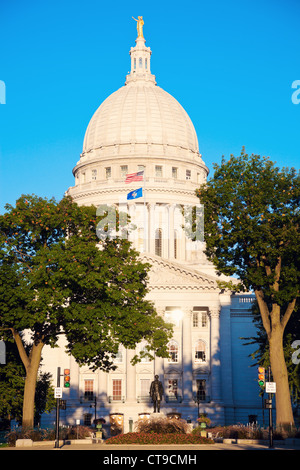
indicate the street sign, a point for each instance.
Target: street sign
{"x":58,"y":392}
{"x":270,"y":387}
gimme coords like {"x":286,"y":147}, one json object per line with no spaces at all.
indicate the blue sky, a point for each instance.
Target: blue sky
{"x":230,"y":64}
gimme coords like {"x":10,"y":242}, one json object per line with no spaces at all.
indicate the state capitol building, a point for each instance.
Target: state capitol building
{"x":142,"y":128}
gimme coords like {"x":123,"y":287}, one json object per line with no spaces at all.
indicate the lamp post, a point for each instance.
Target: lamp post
{"x":130,"y":424}
{"x":198,"y":400}
{"x":95,"y":405}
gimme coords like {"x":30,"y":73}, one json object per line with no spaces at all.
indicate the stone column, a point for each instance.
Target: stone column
{"x":133,"y":235}
{"x":151,"y":231}
{"x":187,"y":359}
{"x":215,"y":355}
{"x":130,"y":377}
{"x":171,"y":230}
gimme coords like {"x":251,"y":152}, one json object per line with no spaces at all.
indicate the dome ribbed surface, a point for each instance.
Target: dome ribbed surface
{"x":140,"y":112}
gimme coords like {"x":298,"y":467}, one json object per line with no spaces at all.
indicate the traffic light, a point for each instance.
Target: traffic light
{"x":67,"y":378}
{"x":261,"y":377}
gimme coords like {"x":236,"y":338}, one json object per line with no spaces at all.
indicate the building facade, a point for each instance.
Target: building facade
{"x":142,"y":128}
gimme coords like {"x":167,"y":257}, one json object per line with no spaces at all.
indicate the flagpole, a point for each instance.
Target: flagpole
{"x":145,"y":213}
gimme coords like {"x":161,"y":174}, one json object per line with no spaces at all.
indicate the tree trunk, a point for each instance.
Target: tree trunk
{"x":284,"y":413}
{"x":30,"y":385}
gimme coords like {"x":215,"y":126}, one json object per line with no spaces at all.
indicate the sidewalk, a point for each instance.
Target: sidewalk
{"x":160,"y":449}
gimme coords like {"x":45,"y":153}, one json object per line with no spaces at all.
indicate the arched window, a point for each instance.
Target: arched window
{"x":158,"y":242}
{"x":119,"y":355}
{"x":200,"y":351}
{"x":146,"y":63}
{"x":143,"y":350}
{"x":140,"y":62}
{"x":173,"y":351}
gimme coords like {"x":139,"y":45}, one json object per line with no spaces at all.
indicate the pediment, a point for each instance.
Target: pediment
{"x":169,"y":275}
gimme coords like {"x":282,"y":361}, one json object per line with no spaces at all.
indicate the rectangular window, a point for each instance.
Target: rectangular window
{"x":173,"y":388}
{"x":145,"y":387}
{"x":158,"y":242}
{"x":199,"y":317}
{"x":188,"y":174}
{"x":173,"y":352}
{"x":201,"y":389}
{"x":119,"y":356}
{"x":108,"y":172}
{"x":117,"y":389}
{"x":174,"y":315}
{"x":89,"y":389}
{"x":94,"y":175}
{"x":87,"y":419}
{"x":158,"y":171}
{"x":195,"y":319}
{"x":124,"y":171}
{"x":174,"y":172}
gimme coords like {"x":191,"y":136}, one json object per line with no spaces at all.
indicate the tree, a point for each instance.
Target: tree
{"x":12,"y":379}
{"x":291,"y":336}
{"x":252,"y":232}
{"x":12,"y":375}
{"x":56,"y":278}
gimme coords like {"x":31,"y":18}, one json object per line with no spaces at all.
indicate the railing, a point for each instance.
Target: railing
{"x":116,"y":399}
{"x":173,"y":399}
{"x":88,"y":398}
{"x":143,"y":399}
{"x":201,"y":398}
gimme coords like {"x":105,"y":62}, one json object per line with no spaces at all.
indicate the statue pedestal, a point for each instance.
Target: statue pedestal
{"x":157,"y":415}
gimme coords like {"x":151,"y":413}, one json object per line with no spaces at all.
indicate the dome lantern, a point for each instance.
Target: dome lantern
{"x":140,"y":58}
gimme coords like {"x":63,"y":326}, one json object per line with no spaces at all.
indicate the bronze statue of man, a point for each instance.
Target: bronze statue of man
{"x":156,"y":393}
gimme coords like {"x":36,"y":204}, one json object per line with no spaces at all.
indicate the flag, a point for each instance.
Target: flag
{"x":135,"y":177}
{"x":135,"y":194}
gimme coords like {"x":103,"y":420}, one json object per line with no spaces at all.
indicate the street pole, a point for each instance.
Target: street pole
{"x":270,"y":415}
{"x":57,"y":412}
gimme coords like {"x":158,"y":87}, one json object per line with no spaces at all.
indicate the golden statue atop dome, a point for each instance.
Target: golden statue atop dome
{"x":139,"y":26}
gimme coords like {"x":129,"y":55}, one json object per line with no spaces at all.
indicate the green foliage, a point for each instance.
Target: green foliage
{"x":44,"y":396}
{"x":261,"y":355}
{"x":106,"y":302}
{"x":251,"y":221}
{"x":12,"y":376}
{"x":12,"y":379}
{"x":57,"y":277}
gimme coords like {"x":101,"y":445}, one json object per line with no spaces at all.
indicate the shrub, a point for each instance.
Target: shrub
{"x":76,"y":432}
{"x":29,"y":433}
{"x":238,"y":431}
{"x":204,"y":419}
{"x":161,"y":425}
{"x":72,"y":432}
{"x":157,"y":438}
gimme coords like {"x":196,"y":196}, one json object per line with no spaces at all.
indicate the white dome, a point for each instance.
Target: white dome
{"x":140,"y":112}
{"x":139,"y":126}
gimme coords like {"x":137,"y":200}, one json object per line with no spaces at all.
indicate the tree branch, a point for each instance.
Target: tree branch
{"x":21,"y":349}
{"x":264,"y":311}
{"x":288,"y":313}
